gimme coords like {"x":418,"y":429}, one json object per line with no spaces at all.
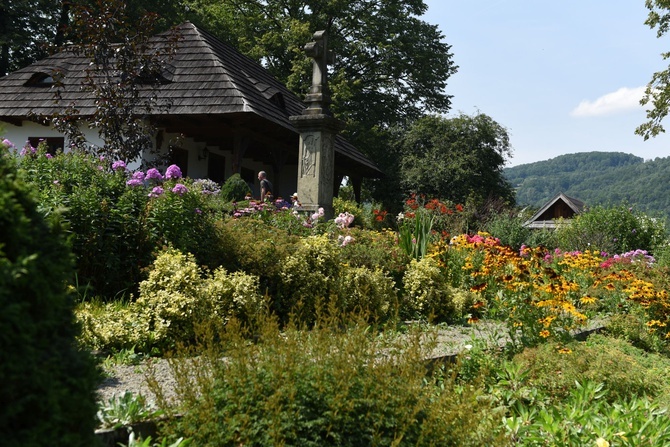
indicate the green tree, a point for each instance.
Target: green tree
{"x":390,"y":65}
{"x":48,"y":384}
{"x":459,"y":159}
{"x":658,"y":89}
{"x":27,"y":29}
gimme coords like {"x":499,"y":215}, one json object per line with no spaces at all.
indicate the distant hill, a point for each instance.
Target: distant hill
{"x":596,"y":178}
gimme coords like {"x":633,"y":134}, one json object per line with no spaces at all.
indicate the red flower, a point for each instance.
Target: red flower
{"x":459,"y":207}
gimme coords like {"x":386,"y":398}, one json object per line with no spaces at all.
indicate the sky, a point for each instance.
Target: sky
{"x":561,"y":76}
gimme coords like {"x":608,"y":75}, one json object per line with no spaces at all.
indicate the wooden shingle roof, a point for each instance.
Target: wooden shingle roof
{"x":206,"y":80}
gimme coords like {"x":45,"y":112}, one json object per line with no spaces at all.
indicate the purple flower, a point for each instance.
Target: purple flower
{"x":198,"y":211}
{"x":157,"y":191}
{"x":139,"y":175}
{"x":119,"y":164}
{"x":134,"y":182}
{"x":173,"y":172}
{"x":8,"y":143}
{"x":153,"y":174}
{"x":48,"y":155}
{"x":179,"y":189}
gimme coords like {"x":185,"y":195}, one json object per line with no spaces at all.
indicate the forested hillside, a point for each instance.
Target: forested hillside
{"x":596,"y":178}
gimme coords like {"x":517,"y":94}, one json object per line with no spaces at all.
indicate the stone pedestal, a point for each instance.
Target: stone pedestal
{"x":316,"y":161}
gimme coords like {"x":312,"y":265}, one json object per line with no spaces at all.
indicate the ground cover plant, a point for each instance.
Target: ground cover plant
{"x":316,"y":319}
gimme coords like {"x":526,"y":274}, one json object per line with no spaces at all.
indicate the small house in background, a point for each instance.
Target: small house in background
{"x":227,"y":114}
{"x":559,"y":207}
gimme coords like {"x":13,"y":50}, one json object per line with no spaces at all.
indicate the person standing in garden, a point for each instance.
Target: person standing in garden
{"x":266,"y":186}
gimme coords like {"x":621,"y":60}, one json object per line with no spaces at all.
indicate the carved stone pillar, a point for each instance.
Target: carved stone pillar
{"x":316,"y":161}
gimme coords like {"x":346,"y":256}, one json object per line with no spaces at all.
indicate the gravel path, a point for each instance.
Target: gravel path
{"x":122,"y":378}
{"x":450,"y":341}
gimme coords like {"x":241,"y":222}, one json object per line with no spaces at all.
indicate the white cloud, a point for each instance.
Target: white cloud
{"x":619,"y":101}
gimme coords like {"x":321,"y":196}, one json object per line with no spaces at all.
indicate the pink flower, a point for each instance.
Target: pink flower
{"x":173,"y":172}
{"x":153,"y":174}
{"x":119,"y":164}
{"x":179,"y":189}
{"x":156,"y":191}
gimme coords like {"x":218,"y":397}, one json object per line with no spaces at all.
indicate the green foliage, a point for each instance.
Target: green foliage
{"x":115,"y":228}
{"x":625,"y":371}
{"x":376,"y":250}
{"x":326,"y":386}
{"x":415,"y":233}
{"x":48,"y":382}
{"x":176,"y":297}
{"x":126,"y":409}
{"x":585,"y":418}
{"x":429,"y":295}
{"x":309,"y":276}
{"x":633,"y":329}
{"x":658,"y":89}
{"x":456,"y":159}
{"x":371,"y":292}
{"x":234,"y":189}
{"x":508,"y":227}
{"x":614,"y":229}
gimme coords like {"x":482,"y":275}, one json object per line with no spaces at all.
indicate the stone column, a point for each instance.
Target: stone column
{"x":316,"y":161}
{"x":318,"y":128}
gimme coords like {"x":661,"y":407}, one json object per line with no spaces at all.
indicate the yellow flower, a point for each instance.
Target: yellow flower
{"x":600,"y":442}
{"x":588,"y":300}
{"x":545,"y":333}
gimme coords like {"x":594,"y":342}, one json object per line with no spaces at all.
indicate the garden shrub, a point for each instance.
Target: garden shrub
{"x":175,"y":298}
{"x":325,"y":387}
{"x":169,"y":296}
{"x":256,"y":248}
{"x":352,"y":207}
{"x":508,"y":227}
{"x":624,"y":370}
{"x":48,"y":391}
{"x":376,"y":250}
{"x":234,"y":189}
{"x":227,"y":295}
{"x":371,"y":292}
{"x":614,"y":229}
{"x":428,"y":294}
{"x":114,"y":326}
{"x":309,"y":275}
{"x":633,"y":328}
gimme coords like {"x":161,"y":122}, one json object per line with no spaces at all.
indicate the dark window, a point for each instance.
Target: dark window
{"x":40,"y":80}
{"x":248,"y":175}
{"x":54,"y":144}
{"x":216,"y":167}
{"x":179,"y":157}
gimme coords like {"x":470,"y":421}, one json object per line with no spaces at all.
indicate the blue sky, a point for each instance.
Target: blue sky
{"x":562,"y":76}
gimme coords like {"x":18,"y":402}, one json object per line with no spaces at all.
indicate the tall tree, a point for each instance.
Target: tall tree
{"x":460,"y":158}
{"x":27,"y":29}
{"x":658,"y":89}
{"x":390,"y":65}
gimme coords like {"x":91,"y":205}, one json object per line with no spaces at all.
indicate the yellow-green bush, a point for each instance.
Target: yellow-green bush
{"x":232,"y":294}
{"x":428,"y":294}
{"x":113,"y":326}
{"x":169,"y":297}
{"x":176,"y":297}
{"x":310,"y":275}
{"x":370,"y":291}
